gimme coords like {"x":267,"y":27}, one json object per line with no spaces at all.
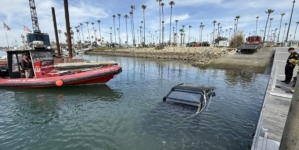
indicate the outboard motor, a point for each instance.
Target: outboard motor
{"x":3,"y":71}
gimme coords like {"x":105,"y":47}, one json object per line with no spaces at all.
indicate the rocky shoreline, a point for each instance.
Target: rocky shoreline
{"x":198,"y":56}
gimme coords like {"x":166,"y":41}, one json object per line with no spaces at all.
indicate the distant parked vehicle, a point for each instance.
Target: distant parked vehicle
{"x":253,"y":44}
{"x":205,"y":44}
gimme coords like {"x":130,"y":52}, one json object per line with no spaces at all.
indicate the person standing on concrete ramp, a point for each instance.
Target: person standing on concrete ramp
{"x":290,"y":65}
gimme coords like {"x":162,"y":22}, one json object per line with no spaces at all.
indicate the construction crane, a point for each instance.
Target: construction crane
{"x":34,"y":19}
{"x":36,"y":35}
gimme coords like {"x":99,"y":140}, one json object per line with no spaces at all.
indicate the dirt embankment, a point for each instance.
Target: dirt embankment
{"x":198,"y":56}
{"x":212,"y":57}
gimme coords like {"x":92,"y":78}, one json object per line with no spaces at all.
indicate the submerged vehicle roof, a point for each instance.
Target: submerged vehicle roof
{"x":191,"y":87}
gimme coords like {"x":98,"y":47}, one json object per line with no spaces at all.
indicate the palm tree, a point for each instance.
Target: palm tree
{"x":201,"y":26}
{"x":284,"y":32}
{"x":114,"y":28}
{"x":132,"y":23}
{"x":176,"y":28}
{"x":162,"y":4}
{"x":189,"y":34}
{"x":143,"y":7}
{"x":126,"y":17}
{"x":94,"y":30}
{"x":280,"y":26}
{"x":159,"y":1}
{"x":171,"y":3}
{"x":88,"y":30}
{"x":257,"y":18}
{"x":181,"y":30}
{"x":183,"y":34}
{"x":118,"y":27}
{"x":269,"y":13}
{"x":162,"y":32}
{"x":110,"y":35}
{"x":290,"y":21}
{"x":131,"y":15}
{"x":81,"y":24}
{"x":237,"y":17}
{"x":296,"y":30}
{"x":59,"y":32}
{"x":214,"y":29}
{"x":218,"y":30}
{"x":99,"y":21}
{"x":269,"y":28}
{"x":229,"y":32}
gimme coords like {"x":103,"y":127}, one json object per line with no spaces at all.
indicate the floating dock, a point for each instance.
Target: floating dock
{"x":276,"y":105}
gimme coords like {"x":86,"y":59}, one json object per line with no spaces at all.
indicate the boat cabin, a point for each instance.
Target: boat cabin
{"x":42,"y":60}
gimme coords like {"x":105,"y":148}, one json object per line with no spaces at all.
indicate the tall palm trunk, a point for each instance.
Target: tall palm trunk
{"x":280,"y":27}
{"x":296,"y":30}
{"x":160,"y":22}
{"x":143,"y":7}
{"x":256,"y":25}
{"x":214,"y":32}
{"x":290,"y":21}
{"x":131,"y":14}
{"x":126,"y":17}
{"x":266,"y":27}
{"x":284,"y":32}
{"x":134,"y":40}
{"x":82,"y":32}
{"x":88,"y":31}
{"x":162,"y":4}
{"x":119,"y":28}
{"x":171,"y":3}
{"x":99,"y":21}
{"x":269,"y":29}
{"x":114,"y":28}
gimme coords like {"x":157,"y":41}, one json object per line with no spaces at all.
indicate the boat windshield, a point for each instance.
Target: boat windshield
{"x":41,"y":55}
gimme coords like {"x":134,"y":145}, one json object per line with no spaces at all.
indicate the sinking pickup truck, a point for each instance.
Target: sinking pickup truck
{"x":192,"y":95}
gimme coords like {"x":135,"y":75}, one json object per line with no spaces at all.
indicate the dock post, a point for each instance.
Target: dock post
{"x":55,"y":31}
{"x":68,"y":28}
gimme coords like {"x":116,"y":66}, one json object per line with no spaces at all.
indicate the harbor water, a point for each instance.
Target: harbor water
{"x":127,"y":113}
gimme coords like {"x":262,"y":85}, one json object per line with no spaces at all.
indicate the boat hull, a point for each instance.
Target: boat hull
{"x":93,"y":76}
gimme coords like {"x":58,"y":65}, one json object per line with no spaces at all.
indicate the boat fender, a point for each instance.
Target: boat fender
{"x":59,"y":82}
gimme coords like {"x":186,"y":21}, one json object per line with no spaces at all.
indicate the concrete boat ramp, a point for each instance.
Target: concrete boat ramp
{"x":276,"y":105}
{"x":80,"y":65}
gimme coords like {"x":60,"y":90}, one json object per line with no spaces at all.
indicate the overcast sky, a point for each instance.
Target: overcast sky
{"x":16,"y":13}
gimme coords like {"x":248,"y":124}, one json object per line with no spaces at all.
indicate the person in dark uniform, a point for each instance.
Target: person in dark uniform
{"x":26,"y":65}
{"x":289,"y":68}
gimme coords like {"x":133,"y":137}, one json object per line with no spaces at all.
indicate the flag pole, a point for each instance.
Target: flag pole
{"x":6,"y":38}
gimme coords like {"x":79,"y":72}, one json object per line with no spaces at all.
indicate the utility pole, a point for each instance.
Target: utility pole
{"x":289,"y":140}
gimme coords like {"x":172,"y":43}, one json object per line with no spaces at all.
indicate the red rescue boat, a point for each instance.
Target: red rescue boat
{"x":43,"y":73}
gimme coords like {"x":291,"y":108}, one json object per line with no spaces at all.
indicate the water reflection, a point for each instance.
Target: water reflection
{"x":234,"y":77}
{"x":40,"y":106}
